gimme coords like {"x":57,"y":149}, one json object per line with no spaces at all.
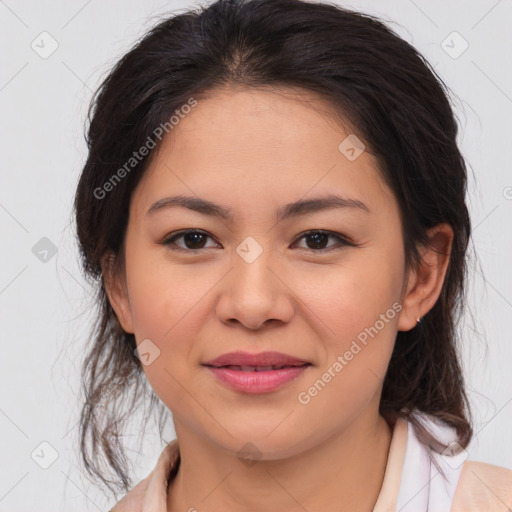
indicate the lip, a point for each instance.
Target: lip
{"x":241,"y":379}
{"x":241,"y":358}
{"x":257,"y":382}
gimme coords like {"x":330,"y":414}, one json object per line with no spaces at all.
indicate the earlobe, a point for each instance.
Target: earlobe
{"x":115,"y":287}
{"x":425,"y":283}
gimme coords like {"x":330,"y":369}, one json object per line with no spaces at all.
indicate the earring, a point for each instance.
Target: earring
{"x":418,"y":320}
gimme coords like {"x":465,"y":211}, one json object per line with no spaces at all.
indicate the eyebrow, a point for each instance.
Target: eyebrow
{"x":295,"y":209}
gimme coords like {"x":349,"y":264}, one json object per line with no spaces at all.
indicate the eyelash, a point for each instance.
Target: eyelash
{"x":170,"y":240}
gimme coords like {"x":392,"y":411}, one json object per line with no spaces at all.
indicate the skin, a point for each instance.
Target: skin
{"x":254,"y":151}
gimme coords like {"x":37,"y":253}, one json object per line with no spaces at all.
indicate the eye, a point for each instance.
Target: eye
{"x":319,"y":238}
{"x":192,"y":238}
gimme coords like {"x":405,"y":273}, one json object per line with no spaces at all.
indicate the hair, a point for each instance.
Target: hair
{"x":372,"y":79}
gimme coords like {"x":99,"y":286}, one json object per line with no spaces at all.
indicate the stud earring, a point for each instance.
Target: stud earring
{"x":418,"y":320}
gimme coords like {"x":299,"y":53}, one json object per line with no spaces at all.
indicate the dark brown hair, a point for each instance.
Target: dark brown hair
{"x":374,"y":80}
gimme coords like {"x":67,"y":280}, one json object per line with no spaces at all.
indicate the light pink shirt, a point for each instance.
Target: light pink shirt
{"x":412,"y":482}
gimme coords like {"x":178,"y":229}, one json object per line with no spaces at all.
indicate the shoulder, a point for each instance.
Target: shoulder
{"x":132,"y":501}
{"x":454,"y":482}
{"x":483,"y":486}
{"x":151,"y":492}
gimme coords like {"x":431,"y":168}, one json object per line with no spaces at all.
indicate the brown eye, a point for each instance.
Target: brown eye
{"x":195,"y":240}
{"x":192,"y":240}
{"x":317,"y":240}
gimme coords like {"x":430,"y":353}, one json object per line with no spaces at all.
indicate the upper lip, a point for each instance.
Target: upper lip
{"x":241,"y":358}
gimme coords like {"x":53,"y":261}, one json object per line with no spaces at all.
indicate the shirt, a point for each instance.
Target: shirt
{"x":413,"y":478}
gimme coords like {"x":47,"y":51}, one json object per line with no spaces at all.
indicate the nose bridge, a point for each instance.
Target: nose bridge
{"x":253,"y":295}
{"x":251,"y":273}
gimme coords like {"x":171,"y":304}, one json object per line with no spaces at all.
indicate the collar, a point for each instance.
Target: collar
{"x":412,"y":480}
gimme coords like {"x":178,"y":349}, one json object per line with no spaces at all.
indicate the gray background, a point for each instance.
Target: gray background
{"x":45,"y":306}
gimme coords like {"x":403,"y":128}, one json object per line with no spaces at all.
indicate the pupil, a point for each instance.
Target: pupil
{"x":318,"y":238}
{"x":194,"y":238}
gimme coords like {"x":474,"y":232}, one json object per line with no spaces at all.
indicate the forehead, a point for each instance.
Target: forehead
{"x":246,"y":145}
{"x":246,"y":120}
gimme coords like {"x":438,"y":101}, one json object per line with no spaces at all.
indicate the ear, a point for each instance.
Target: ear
{"x":115,"y":286}
{"x":424,"y":284}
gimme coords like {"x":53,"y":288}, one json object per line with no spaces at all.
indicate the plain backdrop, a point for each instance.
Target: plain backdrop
{"x":45,"y":304}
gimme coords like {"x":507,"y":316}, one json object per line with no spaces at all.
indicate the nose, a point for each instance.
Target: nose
{"x":254,"y":296}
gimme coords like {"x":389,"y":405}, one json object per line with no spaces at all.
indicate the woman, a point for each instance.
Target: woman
{"x":274,"y":207}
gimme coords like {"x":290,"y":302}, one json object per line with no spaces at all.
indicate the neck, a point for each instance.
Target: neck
{"x":344,"y":472}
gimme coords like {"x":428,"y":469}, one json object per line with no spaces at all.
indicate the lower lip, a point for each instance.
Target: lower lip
{"x":257,"y":382}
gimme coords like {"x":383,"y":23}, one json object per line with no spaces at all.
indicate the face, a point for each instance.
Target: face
{"x":322,"y":284}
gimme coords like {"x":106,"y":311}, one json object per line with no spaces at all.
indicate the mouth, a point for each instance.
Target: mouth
{"x":254,"y":380}
{"x":263,"y":361}
{"x":263,"y":372}
{"x":240,"y":368}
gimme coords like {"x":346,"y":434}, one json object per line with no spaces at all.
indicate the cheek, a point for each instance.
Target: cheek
{"x":163,"y":295}
{"x":352,"y":299}
{"x":362,"y":315}
{"x":358,"y":303}
{"x":169,"y":306}
{"x":165,"y":311}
